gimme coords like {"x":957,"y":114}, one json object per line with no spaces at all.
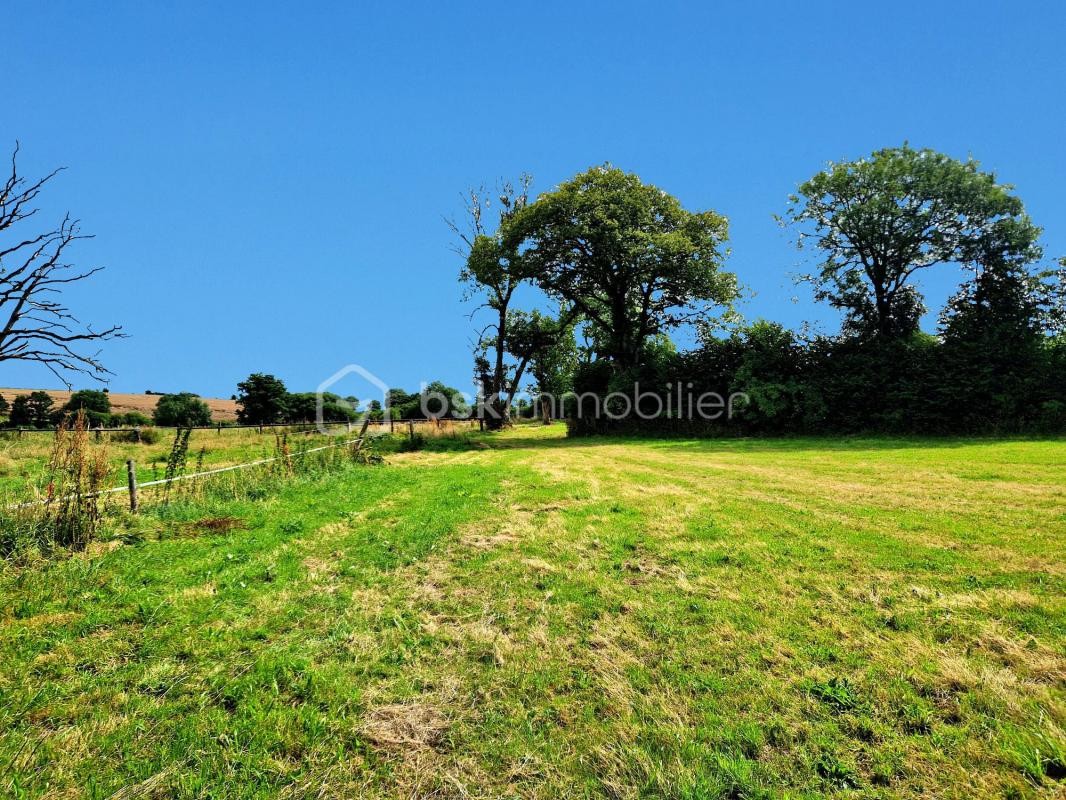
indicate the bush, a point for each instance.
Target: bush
{"x":90,"y":400}
{"x":131,"y":419}
{"x":182,"y":410}
{"x":412,"y":443}
{"x":138,"y":436}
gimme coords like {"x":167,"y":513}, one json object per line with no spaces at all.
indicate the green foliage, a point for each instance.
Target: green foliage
{"x":141,"y":435}
{"x":303,"y":407}
{"x":880,"y":219}
{"x":181,"y":410}
{"x":89,"y":400}
{"x":261,"y":400}
{"x":131,"y":419}
{"x":496,"y":267}
{"x":69,"y":513}
{"x":32,"y":410}
{"x":626,"y":255}
{"x":769,"y":373}
{"x":992,"y":379}
{"x":177,"y":460}
{"x":412,"y":444}
{"x":436,"y":400}
{"x":5,"y":406}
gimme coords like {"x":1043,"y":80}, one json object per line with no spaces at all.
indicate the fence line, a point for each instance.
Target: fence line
{"x":133,"y":486}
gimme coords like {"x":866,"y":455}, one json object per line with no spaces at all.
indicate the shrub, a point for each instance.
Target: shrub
{"x":89,"y":400}
{"x":412,"y":443}
{"x":182,"y":410}
{"x":137,"y":436}
{"x":131,"y":419}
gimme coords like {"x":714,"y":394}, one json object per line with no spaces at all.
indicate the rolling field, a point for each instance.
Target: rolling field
{"x":222,"y":410}
{"x":533,"y":616}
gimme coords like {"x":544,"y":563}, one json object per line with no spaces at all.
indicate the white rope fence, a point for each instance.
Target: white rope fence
{"x":132,"y":487}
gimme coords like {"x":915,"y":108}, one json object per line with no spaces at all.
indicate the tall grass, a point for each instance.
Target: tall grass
{"x":67,"y":513}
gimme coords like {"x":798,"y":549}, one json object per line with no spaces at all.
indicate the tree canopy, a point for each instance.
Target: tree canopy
{"x":880,"y":219}
{"x":181,"y":410}
{"x":261,"y":400}
{"x":32,"y":410}
{"x":625,"y":255}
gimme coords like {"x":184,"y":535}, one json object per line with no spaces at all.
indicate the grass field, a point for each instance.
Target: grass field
{"x":24,"y":460}
{"x":542,"y":617}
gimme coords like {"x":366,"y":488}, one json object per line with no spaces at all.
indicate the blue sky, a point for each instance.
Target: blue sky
{"x":266,"y":182}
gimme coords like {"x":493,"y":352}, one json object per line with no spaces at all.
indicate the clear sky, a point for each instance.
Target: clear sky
{"x":267,"y":181}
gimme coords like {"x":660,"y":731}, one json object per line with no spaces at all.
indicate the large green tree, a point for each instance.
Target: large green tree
{"x":32,"y":410}
{"x":261,"y":400}
{"x":625,"y":255}
{"x":94,"y":402}
{"x":881,"y":219}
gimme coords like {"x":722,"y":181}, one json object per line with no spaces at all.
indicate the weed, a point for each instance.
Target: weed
{"x":837,"y":693}
{"x":836,"y":773}
{"x":176,"y":460}
{"x":412,"y":443}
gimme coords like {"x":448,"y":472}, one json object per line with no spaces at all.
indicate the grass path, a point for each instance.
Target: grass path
{"x":551,"y":618}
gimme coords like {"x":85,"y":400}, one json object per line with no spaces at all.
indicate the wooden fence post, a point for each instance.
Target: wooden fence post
{"x":411,"y":430}
{"x":220,"y":429}
{"x":131,"y":475}
{"x":362,"y":433}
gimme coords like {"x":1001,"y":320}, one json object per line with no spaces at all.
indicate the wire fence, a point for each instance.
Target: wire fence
{"x":369,"y":429}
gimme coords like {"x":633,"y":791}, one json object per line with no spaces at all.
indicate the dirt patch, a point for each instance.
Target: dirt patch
{"x":220,"y":524}
{"x":405,"y":726}
{"x":209,"y":526}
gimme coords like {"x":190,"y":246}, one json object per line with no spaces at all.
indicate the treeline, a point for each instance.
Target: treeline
{"x":622,"y":264}
{"x":1003,"y":381}
{"x":264,"y":400}
{"x":261,"y":399}
{"x":39,"y":410}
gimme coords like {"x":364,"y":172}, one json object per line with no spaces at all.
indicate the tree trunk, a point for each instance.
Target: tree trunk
{"x":545,"y":410}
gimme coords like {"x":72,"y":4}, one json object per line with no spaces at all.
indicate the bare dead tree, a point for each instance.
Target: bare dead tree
{"x":37,"y":326}
{"x":491,"y":274}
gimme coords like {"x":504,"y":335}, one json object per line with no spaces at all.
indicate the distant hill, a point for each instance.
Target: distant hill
{"x":221,"y":410}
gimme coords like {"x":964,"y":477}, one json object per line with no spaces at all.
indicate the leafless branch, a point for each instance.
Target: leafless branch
{"x":34,"y":325}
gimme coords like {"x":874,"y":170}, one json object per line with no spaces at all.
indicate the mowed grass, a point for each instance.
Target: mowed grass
{"x":541,"y":617}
